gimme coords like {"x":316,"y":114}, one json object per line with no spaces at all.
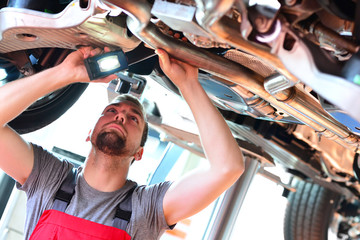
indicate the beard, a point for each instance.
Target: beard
{"x":110,"y":143}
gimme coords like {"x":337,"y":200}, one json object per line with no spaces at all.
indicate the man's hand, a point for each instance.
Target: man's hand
{"x":74,"y":67}
{"x":182,"y":74}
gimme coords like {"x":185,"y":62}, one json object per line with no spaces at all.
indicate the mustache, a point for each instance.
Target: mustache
{"x":119,"y":123}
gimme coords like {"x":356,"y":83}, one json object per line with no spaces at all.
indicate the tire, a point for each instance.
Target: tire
{"x":50,"y":107}
{"x":309,"y":212}
{"x":47,"y":109}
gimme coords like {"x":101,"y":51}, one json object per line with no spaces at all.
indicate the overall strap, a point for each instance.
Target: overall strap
{"x":66,"y":191}
{"x":123,"y":211}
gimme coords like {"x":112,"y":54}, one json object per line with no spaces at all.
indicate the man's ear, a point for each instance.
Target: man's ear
{"x":88,"y":136}
{"x":138,"y":154}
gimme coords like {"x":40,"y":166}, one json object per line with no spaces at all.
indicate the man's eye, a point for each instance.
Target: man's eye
{"x":134,"y":119}
{"x":111,"y":110}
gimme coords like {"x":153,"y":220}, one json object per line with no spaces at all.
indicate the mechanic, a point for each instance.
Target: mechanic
{"x":101,"y":184}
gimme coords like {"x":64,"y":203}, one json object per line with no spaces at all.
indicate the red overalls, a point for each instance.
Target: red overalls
{"x":55,"y":224}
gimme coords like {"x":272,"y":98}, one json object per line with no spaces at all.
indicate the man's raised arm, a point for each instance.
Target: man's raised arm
{"x":194,"y":192}
{"x":16,"y":155}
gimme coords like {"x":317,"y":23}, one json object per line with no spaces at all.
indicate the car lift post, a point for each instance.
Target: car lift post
{"x":230,"y":206}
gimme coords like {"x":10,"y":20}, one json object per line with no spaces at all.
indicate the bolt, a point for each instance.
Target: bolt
{"x":27,"y":71}
{"x":290,"y":3}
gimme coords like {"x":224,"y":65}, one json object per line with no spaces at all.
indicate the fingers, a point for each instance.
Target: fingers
{"x":161,"y":53}
{"x":164,"y":59}
{"x":85,"y":51}
{"x":96,"y":51}
{"x":90,"y":51}
{"x":171,"y":65}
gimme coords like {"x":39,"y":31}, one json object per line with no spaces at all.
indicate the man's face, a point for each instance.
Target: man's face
{"x":119,"y":130}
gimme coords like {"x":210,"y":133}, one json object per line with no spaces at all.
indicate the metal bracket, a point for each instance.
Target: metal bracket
{"x":276,"y":179}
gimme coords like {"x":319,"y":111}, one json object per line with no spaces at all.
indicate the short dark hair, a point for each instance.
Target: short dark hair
{"x":134,"y":100}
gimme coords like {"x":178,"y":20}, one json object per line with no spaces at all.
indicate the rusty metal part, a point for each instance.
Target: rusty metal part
{"x":334,"y":154}
{"x":212,"y":18}
{"x":250,"y":61}
{"x":337,"y":24}
{"x":230,"y":33}
{"x":328,"y":36}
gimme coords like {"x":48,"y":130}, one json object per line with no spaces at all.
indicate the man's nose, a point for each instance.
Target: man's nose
{"x":120,"y":117}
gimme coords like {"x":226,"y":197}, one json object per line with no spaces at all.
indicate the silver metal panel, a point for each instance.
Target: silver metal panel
{"x":27,"y":29}
{"x":178,"y":17}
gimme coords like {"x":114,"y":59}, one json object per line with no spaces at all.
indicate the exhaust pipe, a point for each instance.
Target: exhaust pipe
{"x":291,"y":101}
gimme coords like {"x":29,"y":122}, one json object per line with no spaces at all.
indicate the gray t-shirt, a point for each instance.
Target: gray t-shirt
{"x":147,"y":219}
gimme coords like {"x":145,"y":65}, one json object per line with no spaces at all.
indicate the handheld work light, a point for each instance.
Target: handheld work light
{"x":105,"y":64}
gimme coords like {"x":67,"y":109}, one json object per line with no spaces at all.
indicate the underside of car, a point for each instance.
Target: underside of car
{"x":284,"y":74}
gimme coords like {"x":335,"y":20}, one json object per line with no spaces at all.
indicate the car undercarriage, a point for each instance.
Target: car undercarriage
{"x":284,"y":75}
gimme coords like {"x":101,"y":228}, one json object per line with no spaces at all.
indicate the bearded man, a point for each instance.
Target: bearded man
{"x":97,"y":200}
